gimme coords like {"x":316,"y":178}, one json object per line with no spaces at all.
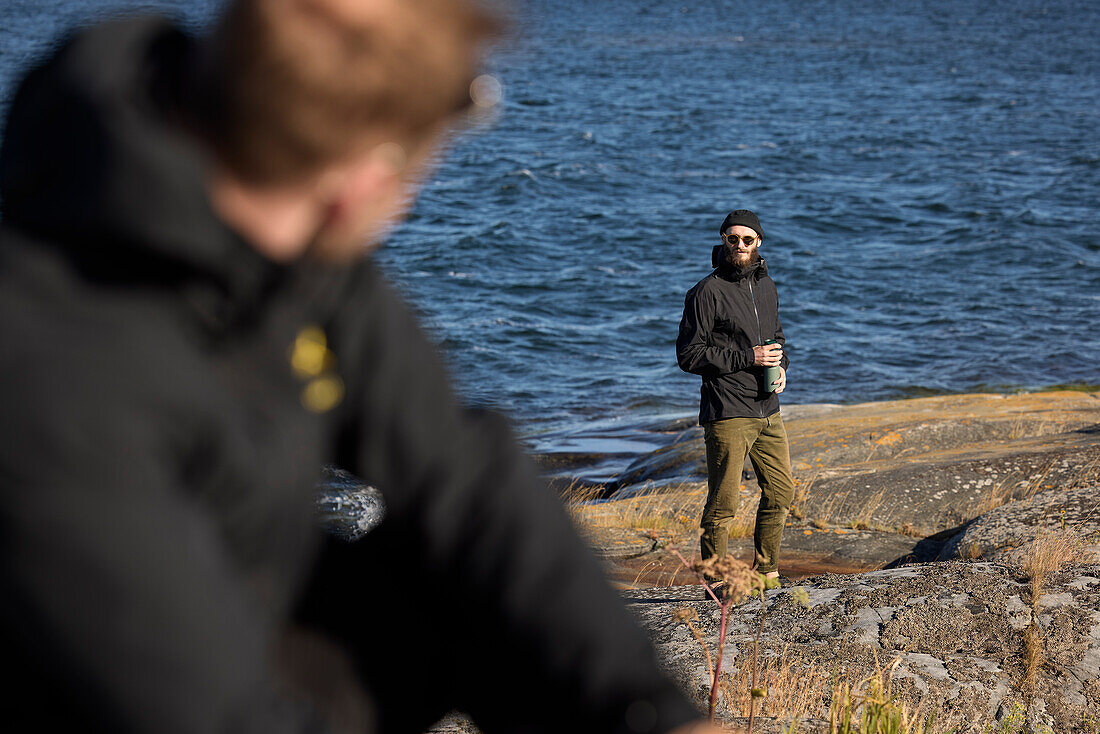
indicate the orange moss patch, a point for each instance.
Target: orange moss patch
{"x":888,"y":439}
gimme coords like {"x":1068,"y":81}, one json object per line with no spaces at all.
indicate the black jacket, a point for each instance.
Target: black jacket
{"x":158,"y":461}
{"x":726,"y":314}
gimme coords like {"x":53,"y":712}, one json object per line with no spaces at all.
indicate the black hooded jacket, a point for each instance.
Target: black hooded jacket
{"x":161,"y":441}
{"x":726,"y":314}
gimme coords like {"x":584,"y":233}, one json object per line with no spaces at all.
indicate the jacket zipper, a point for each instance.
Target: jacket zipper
{"x":752,"y":295}
{"x":759,"y":336}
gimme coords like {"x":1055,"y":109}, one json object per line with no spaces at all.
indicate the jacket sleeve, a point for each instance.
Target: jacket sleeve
{"x":695,"y":352}
{"x":545,"y":644}
{"x":116,"y":591}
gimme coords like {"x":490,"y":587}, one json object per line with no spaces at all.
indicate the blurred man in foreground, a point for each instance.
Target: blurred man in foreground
{"x":191,"y":330}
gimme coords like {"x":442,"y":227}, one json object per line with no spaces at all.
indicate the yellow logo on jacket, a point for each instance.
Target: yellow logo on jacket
{"x":312,"y":361}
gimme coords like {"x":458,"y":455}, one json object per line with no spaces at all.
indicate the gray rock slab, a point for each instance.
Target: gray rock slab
{"x":1005,"y":532}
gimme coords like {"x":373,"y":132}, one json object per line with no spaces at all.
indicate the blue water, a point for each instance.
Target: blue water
{"x":928,"y":175}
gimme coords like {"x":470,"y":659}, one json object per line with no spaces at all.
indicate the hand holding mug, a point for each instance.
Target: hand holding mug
{"x":767,"y":355}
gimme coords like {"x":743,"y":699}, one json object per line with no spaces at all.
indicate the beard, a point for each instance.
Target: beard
{"x":739,"y":262}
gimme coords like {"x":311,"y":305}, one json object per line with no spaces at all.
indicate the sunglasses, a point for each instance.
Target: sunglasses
{"x":731,"y":239}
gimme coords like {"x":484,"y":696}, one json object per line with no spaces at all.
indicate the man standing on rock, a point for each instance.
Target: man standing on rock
{"x":191,"y":329}
{"x":730,"y":335}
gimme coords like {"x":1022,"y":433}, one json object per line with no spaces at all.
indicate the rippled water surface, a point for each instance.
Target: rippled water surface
{"x":928,"y":176}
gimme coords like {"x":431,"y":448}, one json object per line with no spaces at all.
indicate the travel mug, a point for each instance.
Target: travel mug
{"x":771,"y":374}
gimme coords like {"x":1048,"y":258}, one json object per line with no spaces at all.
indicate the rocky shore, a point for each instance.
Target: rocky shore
{"x":919,"y":536}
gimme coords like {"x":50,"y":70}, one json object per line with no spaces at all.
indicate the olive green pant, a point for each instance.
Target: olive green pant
{"x":727,"y":443}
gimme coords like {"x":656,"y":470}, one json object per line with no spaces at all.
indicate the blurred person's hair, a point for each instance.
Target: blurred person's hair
{"x":286,"y":87}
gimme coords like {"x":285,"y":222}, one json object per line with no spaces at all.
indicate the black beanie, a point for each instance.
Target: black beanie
{"x":743,"y":217}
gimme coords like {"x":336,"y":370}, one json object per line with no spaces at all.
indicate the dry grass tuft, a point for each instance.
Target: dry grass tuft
{"x":1049,"y":553}
{"x":865,"y":517}
{"x":841,"y":507}
{"x":1085,"y":476}
{"x":744,"y":524}
{"x":1008,"y":490}
{"x":674,"y":509}
{"x":908,"y":528}
{"x":1030,"y":427}
{"x":793,"y":690}
{"x":651,"y":508}
{"x":871,"y":707}
{"x":801,"y":494}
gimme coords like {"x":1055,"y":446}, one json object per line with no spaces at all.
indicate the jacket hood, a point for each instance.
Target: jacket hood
{"x":92,"y":161}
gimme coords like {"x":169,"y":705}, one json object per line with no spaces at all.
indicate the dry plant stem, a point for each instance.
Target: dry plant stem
{"x":756,"y":661}
{"x":721,"y":647}
{"x":1033,"y":653}
{"x":641,"y":573}
{"x":717,"y":670}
